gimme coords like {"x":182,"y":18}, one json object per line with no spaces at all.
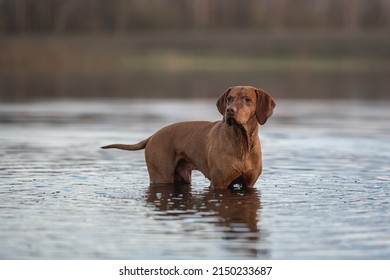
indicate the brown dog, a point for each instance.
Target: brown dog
{"x":227,"y":152}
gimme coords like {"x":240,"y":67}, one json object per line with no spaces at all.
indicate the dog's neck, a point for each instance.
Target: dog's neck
{"x":246,"y":135}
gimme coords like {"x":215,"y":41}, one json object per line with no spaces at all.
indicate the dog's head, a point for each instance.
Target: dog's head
{"x":240,"y":104}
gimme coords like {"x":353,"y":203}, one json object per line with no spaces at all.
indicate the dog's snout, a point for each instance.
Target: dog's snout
{"x":230,"y":110}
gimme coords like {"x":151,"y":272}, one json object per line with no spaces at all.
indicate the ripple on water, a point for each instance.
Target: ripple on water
{"x":323,"y":193}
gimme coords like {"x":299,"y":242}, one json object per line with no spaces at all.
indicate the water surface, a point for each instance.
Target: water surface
{"x":324,"y":192}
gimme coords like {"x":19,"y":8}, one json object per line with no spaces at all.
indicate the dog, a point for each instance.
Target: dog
{"x":227,"y":152}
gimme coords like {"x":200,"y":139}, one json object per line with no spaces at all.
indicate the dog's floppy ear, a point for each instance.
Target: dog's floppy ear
{"x":221,"y":103}
{"x":264,"y":107}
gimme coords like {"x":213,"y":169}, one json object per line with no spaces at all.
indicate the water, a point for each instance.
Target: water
{"x":324,"y":192}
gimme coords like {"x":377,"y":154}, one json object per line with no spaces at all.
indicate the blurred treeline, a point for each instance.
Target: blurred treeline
{"x":193,"y":48}
{"x":64,"y":16}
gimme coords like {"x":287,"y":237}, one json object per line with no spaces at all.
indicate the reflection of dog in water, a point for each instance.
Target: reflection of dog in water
{"x":234,"y":213}
{"x":227,"y":152}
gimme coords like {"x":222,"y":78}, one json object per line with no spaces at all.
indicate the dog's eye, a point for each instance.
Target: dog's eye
{"x":229,"y":99}
{"x":248,"y":100}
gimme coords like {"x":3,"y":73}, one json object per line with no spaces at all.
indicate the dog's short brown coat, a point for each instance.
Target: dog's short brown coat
{"x":227,"y":152}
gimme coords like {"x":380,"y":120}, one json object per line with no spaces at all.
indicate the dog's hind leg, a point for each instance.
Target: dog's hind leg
{"x":183,"y":172}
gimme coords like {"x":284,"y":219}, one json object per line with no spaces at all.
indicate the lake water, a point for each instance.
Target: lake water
{"x":324,"y":192}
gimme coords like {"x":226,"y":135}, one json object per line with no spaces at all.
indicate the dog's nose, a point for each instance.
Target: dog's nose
{"x":230,"y":111}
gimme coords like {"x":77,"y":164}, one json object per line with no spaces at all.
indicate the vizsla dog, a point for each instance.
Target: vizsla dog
{"x":227,"y":152}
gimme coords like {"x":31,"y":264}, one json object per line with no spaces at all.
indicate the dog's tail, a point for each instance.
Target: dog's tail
{"x":139,"y":146}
